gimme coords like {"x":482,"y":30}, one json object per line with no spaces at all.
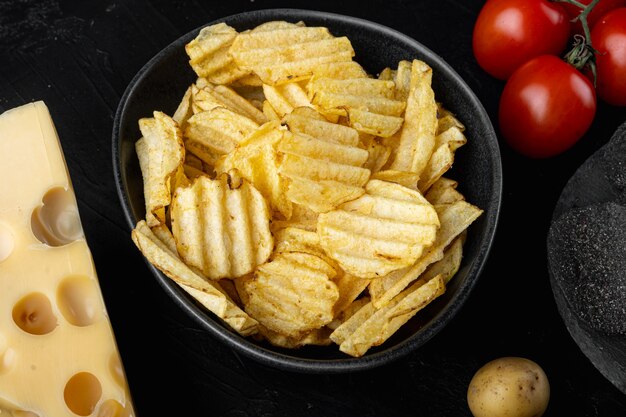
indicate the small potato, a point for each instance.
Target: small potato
{"x":509,"y":386}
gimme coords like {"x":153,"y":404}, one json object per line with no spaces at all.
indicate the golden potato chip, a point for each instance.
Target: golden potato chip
{"x":387,"y":320}
{"x":362,"y":311}
{"x":454,"y":219}
{"x":447,"y":266}
{"x":350,"y":288}
{"x":221,"y":226}
{"x":276,"y":25}
{"x":184,"y":110}
{"x":309,"y":122}
{"x":339,"y":70}
{"x":294,"y":239}
{"x":160,"y":152}
{"x":346,"y":313}
{"x":211,"y":96}
{"x":321,"y":174}
{"x":168,"y":262}
{"x":292,"y":294}
{"x":443,"y":191}
{"x":285,"y":97}
{"x":257,"y":161}
{"x":385,"y":229}
{"x":406,"y":179}
{"x":301,"y":218}
{"x":402,"y":79}
{"x":316,"y":337}
{"x":368,"y":103}
{"x":386,"y":74}
{"x":288,"y":54}
{"x":211,"y":134}
{"x":416,"y":141}
{"x":440,"y":162}
{"x":378,"y":153}
{"x":208,"y":54}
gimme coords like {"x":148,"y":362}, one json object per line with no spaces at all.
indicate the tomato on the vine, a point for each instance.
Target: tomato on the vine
{"x":546,"y":106}
{"x":507,"y":33}
{"x":599,"y":10}
{"x":609,"y":39}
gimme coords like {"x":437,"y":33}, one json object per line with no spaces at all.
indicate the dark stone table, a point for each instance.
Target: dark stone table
{"x":78,"y":56}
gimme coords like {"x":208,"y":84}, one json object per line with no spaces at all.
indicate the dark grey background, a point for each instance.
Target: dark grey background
{"x":78,"y":56}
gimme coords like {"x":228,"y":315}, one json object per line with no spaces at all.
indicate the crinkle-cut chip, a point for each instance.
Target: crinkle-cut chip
{"x":257,"y":161}
{"x":269,"y":111}
{"x":439,"y":163}
{"x":406,"y":179}
{"x":446,"y":119}
{"x":385,"y":229}
{"x":308,"y":121}
{"x":447,"y":266}
{"x":221,"y":226}
{"x":160,"y":152}
{"x":386,"y":74}
{"x":208,"y":54}
{"x":385,"y":321}
{"x":344,"y":315}
{"x":292,"y":294}
{"x":350,"y":288}
{"x":368,"y":103}
{"x":416,"y":141}
{"x":316,"y":337}
{"x":339,"y":70}
{"x":288,"y":54}
{"x":285,"y":98}
{"x":217,"y":132}
{"x":294,"y":239}
{"x":373,"y":123}
{"x":361,"y":313}
{"x":211,"y":96}
{"x":160,"y":254}
{"x":402,"y":80}
{"x":378,"y":153}
{"x":443,"y":191}
{"x":442,"y":159}
{"x":454,"y":219}
{"x":301,"y":218}
{"x":183,"y":111}
{"x":321,"y":174}
{"x":276,"y":25}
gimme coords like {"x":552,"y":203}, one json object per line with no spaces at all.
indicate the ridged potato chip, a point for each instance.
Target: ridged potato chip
{"x":288,"y":54}
{"x":368,"y":103}
{"x":157,"y":249}
{"x":292,"y":294}
{"x":221,"y":226}
{"x":210,"y":96}
{"x":386,"y":229}
{"x":208,"y":54}
{"x":216,"y":132}
{"x":161,"y":153}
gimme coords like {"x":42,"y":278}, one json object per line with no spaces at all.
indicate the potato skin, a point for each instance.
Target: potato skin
{"x":509,"y":387}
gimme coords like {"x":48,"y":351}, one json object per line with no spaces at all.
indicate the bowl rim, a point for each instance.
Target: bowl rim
{"x":265,"y":355}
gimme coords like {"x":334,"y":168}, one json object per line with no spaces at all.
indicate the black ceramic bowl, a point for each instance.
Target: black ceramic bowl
{"x":160,"y":84}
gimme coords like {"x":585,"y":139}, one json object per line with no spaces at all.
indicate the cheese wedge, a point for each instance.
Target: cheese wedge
{"x":58,"y":354}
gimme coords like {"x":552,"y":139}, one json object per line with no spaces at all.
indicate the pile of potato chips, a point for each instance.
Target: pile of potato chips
{"x":298,"y":198}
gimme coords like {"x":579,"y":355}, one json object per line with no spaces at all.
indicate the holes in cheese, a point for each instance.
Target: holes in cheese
{"x":7,"y":242}
{"x":56,"y":221}
{"x":33,"y":314}
{"x":82,"y":393}
{"x":79,"y":301}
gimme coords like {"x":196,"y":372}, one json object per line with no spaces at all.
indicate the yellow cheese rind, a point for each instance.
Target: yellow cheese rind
{"x":36,"y":366}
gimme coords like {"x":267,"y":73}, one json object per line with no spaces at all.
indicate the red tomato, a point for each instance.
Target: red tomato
{"x":599,"y":10}
{"x":546,"y":106}
{"x":609,"y":39}
{"x":507,"y":33}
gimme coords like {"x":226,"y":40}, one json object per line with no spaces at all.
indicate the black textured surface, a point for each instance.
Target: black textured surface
{"x":79,"y":57}
{"x":586,"y":248}
{"x":478,"y":170}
